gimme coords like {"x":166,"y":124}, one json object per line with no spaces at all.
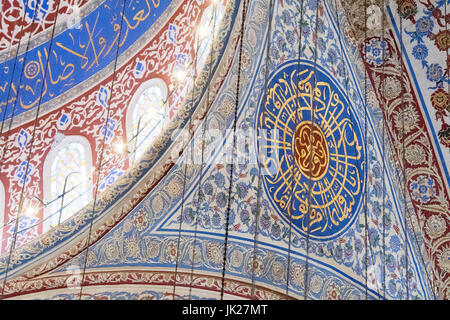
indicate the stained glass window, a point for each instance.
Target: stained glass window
{"x":69,"y":183}
{"x":209,"y":26}
{"x":148,"y":118}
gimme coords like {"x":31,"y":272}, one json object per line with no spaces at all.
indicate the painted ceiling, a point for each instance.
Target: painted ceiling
{"x":306,"y":158}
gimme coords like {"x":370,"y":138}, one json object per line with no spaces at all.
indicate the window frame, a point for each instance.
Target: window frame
{"x":155,"y":82}
{"x":47,"y":172}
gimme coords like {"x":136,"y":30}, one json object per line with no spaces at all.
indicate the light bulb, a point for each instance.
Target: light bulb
{"x":29,"y":211}
{"x":180,"y":75}
{"x":119,"y":147}
{"x":203,"y":32}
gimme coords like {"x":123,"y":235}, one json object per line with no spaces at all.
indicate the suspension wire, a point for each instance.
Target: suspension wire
{"x":238,"y":84}
{"x":293,"y":185}
{"x":315,"y":37}
{"x":101,"y":155}
{"x":142,"y":128}
{"x":346,"y":73}
{"x":403,"y":158}
{"x":430,"y":280}
{"x":13,"y":72}
{"x":31,"y":149}
{"x":4,"y":144}
{"x":383,"y":129}
{"x":258,"y":162}
{"x":366,"y":231}
{"x":172,"y":93}
{"x":191,"y":143}
{"x":447,"y":22}
{"x":203,"y":143}
{"x":4,"y":225}
{"x":404,"y":189}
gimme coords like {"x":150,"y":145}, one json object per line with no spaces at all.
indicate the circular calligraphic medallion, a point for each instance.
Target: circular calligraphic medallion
{"x":311,"y":149}
{"x":31,"y":70}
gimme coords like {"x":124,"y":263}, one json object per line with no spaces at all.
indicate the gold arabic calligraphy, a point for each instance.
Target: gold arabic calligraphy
{"x":311,"y":139}
{"x":89,"y":46}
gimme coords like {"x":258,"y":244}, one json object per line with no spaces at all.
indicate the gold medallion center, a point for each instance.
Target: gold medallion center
{"x":311,"y":150}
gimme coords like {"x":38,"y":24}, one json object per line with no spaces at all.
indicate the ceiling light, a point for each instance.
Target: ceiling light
{"x":119,"y":147}
{"x":203,"y":31}
{"x":29,"y":212}
{"x":180,"y":75}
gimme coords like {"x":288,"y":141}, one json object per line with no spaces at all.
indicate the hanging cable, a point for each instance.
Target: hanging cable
{"x":238,"y":84}
{"x":172,"y":93}
{"x":21,"y":199}
{"x":258,"y":162}
{"x":366,"y":167}
{"x":4,"y":138}
{"x":346,"y":80}
{"x":186,"y":163}
{"x":447,"y":22}
{"x":403,"y":135}
{"x":203,"y":143}
{"x":293,"y":183}
{"x":315,"y":37}
{"x":13,"y":71}
{"x":91,"y":218}
{"x":383,"y":128}
{"x":39,"y":222}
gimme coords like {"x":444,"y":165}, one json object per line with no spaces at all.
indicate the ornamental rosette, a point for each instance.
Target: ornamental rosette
{"x":415,"y":154}
{"x":236,"y":258}
{"x":297,"y":274}
{"x":316,"y":284}
{"x":444,"y":135}
{"x":435,"y":72}
{"x":132,"y":248}
{"x":333,"y":292}
{"x":377,"y":51}
{"x":440,"y":100}
{"x":175,"y":187}
{"x":435,"y":226}
{"x":424,"y":26}
{"x":153,"y":249}
{"x":214,"y":252}
{"x":278,"y":271}
{"x":140,"y":220}
{"x":444,"y":259}
{"x":172,"y":251}
{"x":442,"y":40}
{"x":422,"y":189}
{"x":391,"y":88}
{"x":256,"y":266}
{"x":407,"y":9}
{"x":406,"y":120}
{"x":111,"y":252}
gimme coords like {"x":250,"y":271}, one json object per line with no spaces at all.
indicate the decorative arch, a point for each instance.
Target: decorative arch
{"x":145,"y":115}
{"x":67,"y":178}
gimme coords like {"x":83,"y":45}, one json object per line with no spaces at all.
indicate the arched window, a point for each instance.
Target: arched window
{"x":145,"y":115}
{"x":67,"y":179}
{"x":208,"y":27}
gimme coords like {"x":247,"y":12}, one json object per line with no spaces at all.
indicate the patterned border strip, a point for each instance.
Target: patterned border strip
{"x":431,"y":212}
{"x":237,"y":288}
